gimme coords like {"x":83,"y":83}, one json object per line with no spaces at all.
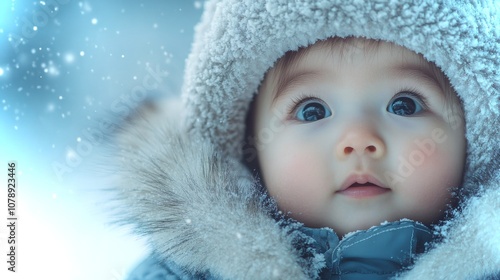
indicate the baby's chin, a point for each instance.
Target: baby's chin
{"x":352,"y":221}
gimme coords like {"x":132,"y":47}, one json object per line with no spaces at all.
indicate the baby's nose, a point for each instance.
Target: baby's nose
{"x":361,"y":141}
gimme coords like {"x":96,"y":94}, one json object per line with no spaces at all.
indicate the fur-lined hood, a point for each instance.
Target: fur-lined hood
{"x":184,"y":186}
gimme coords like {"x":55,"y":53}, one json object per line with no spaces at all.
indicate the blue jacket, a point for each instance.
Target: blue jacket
{"x":378,"y":253}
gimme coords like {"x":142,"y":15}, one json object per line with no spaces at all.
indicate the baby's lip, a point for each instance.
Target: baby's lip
{"x":361,"y":179}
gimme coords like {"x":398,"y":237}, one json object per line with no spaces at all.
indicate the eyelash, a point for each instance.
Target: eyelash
{"x":414,"y":93}
{"x":297,"y":101}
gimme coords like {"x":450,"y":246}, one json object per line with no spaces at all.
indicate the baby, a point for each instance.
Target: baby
{"x":353,"y":132}
{"x":349,"y":116}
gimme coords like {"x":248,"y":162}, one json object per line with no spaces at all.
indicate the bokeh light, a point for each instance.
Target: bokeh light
{"x":63,"y":64}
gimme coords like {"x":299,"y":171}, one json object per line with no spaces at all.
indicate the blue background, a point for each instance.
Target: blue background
{"x":65,"y":67}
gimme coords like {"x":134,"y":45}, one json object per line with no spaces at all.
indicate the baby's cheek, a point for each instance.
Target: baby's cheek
{"x":443,"y":165}
{"x":297,"y":182}
{"x":431,"y":180}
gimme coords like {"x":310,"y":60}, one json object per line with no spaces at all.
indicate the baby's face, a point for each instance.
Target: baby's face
{"x":353,"y":139}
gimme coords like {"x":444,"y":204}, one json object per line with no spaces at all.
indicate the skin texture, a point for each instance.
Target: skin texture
{"x":410,"y":163}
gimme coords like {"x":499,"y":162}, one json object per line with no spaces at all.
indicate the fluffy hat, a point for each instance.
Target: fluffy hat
{"x":236,"y":42}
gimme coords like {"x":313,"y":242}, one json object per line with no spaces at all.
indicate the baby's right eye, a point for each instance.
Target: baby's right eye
{"x":311,"y":110}
{"x":406,"y":104}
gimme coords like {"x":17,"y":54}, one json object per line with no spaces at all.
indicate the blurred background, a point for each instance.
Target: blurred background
{"x":68,"y":68}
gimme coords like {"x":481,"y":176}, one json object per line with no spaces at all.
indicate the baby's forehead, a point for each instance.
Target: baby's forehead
{"x":346,"y":50}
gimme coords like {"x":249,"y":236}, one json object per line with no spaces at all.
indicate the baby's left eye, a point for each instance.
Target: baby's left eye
{"x":406,"y":104}
{"x":311,"y":110}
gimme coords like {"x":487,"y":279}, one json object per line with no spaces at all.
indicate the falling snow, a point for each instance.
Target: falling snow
{"x":69,"y":58}
{"x":65,"y":71}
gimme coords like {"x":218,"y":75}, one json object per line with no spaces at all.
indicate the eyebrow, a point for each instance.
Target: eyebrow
{"x":422,"y":72}
{"x":289,"y":80}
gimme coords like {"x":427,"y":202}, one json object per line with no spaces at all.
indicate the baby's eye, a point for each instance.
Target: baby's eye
{"x":406,"y":104}
{"x":311,"y":110}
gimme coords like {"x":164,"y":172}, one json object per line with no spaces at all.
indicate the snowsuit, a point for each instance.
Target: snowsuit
{"x":376,"y":254}
{"x":183,"y":185}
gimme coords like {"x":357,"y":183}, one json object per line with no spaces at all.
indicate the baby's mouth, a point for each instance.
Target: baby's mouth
{"x":364,"y":190}
{"x":362,"y":186}
{"x":367,"y":184}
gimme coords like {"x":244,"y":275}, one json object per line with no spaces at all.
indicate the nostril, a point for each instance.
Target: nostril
{"x":354,"y":145}
{"x":371,"y":149}
{"x":348,"y":150}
